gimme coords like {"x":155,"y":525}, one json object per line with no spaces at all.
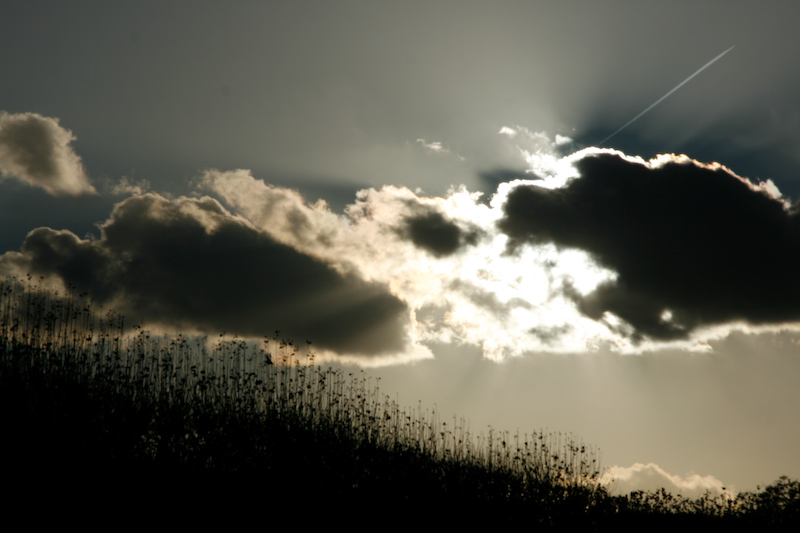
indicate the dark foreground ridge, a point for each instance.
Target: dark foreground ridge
{"x":103,"y":423}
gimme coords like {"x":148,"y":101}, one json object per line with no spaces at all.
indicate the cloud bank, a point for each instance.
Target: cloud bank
{"x":36,"y":150}
{"x":596,"y":250}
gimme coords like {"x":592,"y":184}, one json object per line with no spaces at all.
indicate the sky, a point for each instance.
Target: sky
{"x":420,"y":190}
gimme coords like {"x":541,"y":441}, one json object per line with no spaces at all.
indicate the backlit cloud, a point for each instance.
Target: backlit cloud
{"x":693,"y":245}
{"x":37,"y":151}
{"x":443,"y":257}
{"x":190,"y":264}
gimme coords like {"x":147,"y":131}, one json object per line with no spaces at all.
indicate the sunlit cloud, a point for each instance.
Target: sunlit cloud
{"x":651,"y":477}
{"x":442,"y":256}
{"x":129,"y":187}
{"x":509,"y":132}
{"x":543,"y":155}
{"x":436,"y":147}
{"x":36,"y":150}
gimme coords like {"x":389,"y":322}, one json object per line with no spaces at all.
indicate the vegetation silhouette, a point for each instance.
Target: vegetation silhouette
{"x":167,"y":423}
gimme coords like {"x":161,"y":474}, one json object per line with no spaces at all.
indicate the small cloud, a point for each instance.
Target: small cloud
{"x":563,"y":140}
{"x":543,"y":154}
{"x":436,"y":147}
{"x":509,"y":132}
{"x":129,"y":187}
{"x":651,"y":477}
{"x":36,"y":150}
{"x":435,"y":233}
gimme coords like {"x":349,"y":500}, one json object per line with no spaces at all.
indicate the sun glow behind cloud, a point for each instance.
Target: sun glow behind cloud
{"x":475,"y":292}
{"x":559,"y":262}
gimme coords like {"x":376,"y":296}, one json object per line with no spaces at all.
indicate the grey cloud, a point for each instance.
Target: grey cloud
{"x":550,"y":334}
{"x":37,"y":151}
{"x":433,"y":232}
{"x":693,"y":245}
{"x":487,"y":300}
{"x":79,"y":263}
{"x":188,"y":263}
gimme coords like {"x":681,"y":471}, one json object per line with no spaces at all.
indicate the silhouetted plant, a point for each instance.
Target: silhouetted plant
{"x":121,"y":396}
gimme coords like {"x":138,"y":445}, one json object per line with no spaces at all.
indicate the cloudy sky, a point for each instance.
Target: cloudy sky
{"x":418,"y":188}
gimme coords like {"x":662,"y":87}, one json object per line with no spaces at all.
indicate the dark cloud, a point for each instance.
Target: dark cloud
{"x":188,"y":263}
{"x":550,"y":334}
{"x":79,"y":263}
{"x":692,"y":244}
{"x":36,"y":150}
{"x":488,"y":300}
{"x":432,"y":231}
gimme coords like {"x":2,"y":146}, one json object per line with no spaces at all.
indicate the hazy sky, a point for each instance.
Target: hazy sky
{"x":315,"y":167}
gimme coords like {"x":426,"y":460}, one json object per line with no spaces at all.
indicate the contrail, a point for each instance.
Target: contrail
{"x":681,"y":84}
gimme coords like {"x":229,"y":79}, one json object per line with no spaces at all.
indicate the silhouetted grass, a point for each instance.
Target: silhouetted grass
{"x":178,"y":421}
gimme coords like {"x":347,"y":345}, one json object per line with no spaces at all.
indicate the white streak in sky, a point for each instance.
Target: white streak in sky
{"x":681,"y":84}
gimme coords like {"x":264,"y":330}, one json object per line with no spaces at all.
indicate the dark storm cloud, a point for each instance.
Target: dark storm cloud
{"x":189,"y":263}
{"x":432,"y":231}
{"x":692,"y":244}
{"x":36,"y":150}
